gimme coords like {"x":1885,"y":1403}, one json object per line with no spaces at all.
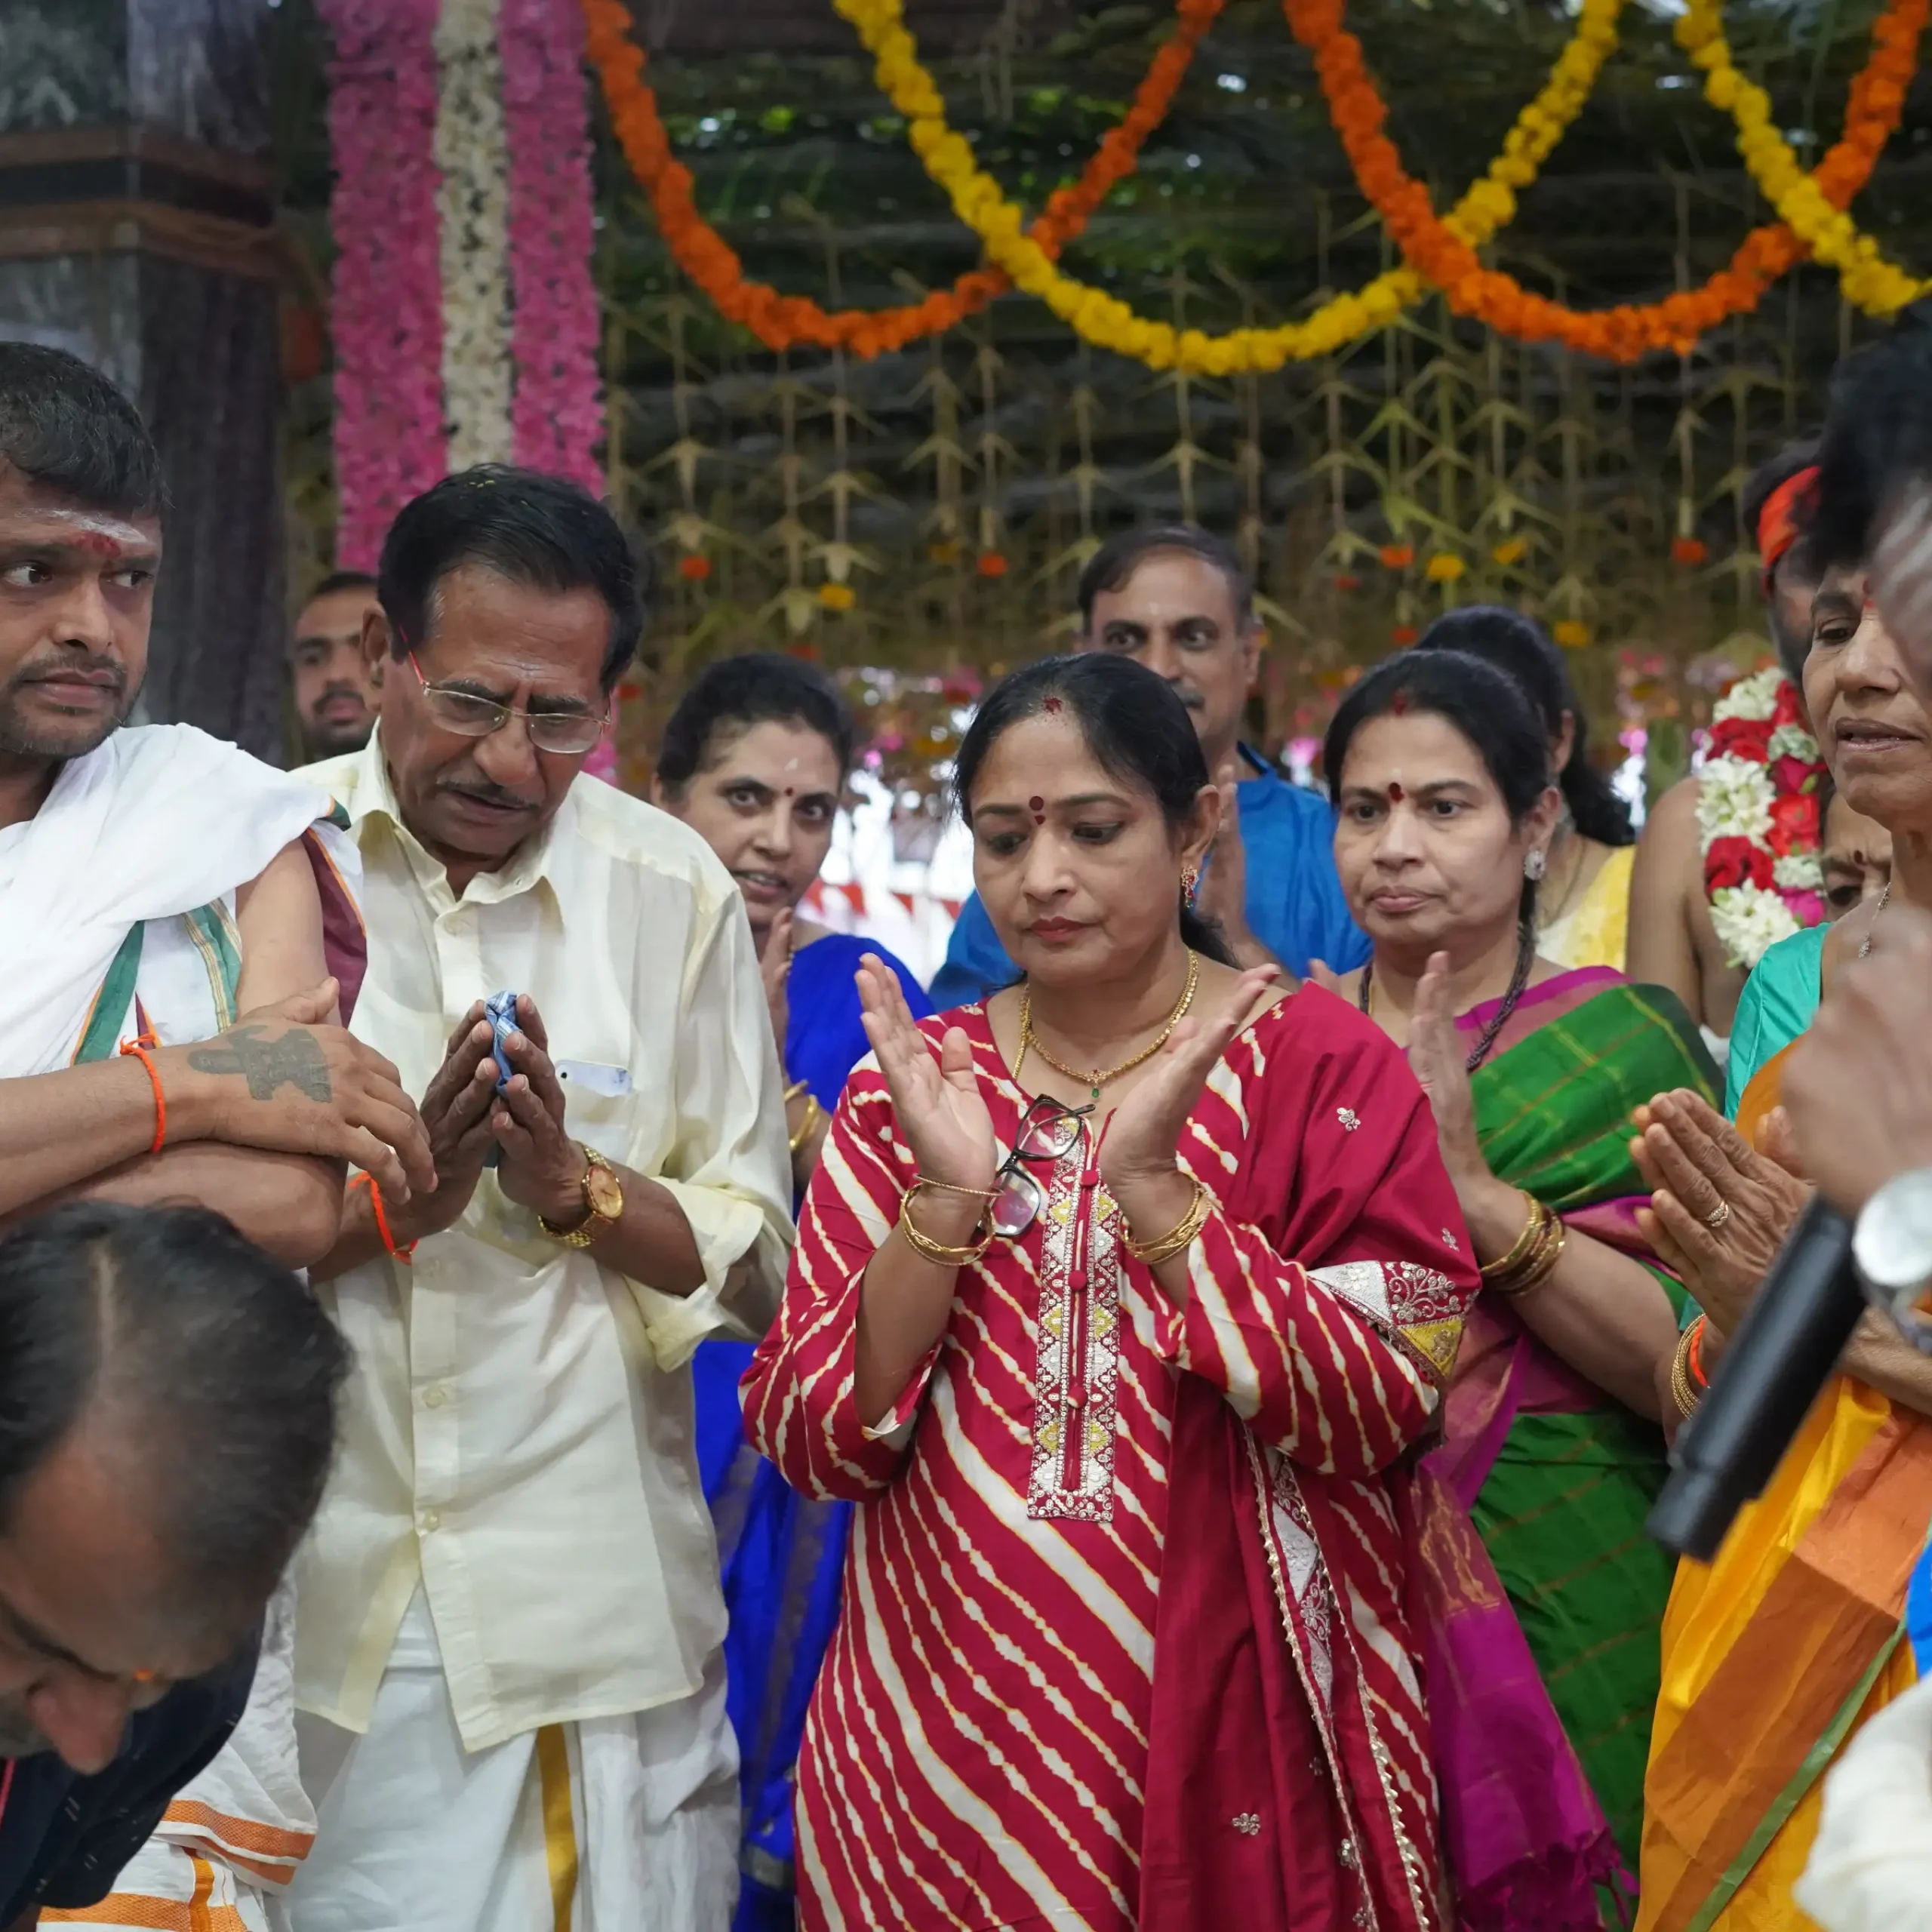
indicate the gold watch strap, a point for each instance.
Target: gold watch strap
{"x":587,"y":1230}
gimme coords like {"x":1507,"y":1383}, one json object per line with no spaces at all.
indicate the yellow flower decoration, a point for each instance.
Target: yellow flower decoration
{"x":1571,"y":634}
{"x":1445,"y":568}
{"x":1109,"y":323}
{"x":837,"y":596}
{"x":1870,"y":282}
{"x":1511,"y":550}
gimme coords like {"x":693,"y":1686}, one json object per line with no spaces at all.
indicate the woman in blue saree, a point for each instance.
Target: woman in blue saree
{"x":754,"y":759}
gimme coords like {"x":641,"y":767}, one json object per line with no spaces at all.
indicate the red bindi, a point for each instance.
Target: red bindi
{"x":788,"y":791}
{"x":1037,"y":806}
{"x":1398,"y":705}
{"x":1395,"y":795}
{"x":97,"y":544}
{"x":1052,"y":704}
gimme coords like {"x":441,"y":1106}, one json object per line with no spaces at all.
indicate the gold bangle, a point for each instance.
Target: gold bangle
{"x":988,"y":1194}
{"x":1541,"y":1265}
{"x":814,"y":1113}
{"x":1533,"y":1227}
{"x":936,"y":1252}
{"x":1683,"y":1392}
{"x":1164,"y":1247}
{"x":797,"y":1088}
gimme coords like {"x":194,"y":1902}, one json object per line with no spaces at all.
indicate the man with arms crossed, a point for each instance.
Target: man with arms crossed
{"x":511,"y":1624}
{"x":157,"y":884}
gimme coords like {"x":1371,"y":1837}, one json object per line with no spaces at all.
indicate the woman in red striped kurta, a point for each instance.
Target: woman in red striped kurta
{"x":1128,"y":1636}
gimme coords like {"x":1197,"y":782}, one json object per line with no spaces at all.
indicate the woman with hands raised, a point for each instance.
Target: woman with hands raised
{"x":1118,"y":1300}
{"x":1440,"y":771}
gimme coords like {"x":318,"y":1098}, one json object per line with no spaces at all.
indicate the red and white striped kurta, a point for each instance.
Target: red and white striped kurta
{"x":976,"y":1754}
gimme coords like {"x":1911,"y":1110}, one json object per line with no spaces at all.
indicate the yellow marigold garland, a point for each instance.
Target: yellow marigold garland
{"x":1870,"y":282}
{"x":1110,"y":323}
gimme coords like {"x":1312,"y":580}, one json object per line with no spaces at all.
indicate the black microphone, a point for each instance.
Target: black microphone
{"x":1784,"y":1351}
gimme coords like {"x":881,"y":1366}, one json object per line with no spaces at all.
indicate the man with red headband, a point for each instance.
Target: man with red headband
{"x":1673,"y":941}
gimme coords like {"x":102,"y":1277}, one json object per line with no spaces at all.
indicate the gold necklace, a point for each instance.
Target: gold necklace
{"x":1029,"y":1041}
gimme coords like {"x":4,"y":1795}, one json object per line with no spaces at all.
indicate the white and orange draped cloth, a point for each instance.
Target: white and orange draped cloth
{"x":1127,"y":1639}
{"x":118,"y":901}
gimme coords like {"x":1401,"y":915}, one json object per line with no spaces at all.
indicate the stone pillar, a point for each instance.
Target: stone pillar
{"x":136,"y":206}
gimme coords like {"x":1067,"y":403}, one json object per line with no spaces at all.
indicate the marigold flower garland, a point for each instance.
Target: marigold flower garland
{"x":780,"y":322}
{"x":387,"y":305}
{"x":1439,"y":249}
{"x":1759,"y":819}
{"x":1432,"y":247}
{"x":557,"y":420}
{"x":1110,"y":324}
{"x":1812,"y":213}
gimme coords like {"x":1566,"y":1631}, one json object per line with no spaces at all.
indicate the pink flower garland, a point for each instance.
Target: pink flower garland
{"x":557,"y":420}
{"x":390,"y":442}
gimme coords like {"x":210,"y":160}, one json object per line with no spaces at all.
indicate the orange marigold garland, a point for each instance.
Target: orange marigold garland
{"x":780,"y":322}
{"x":1626,"y":332}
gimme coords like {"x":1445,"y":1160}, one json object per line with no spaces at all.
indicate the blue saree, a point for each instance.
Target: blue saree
{"x":781,"y":1556}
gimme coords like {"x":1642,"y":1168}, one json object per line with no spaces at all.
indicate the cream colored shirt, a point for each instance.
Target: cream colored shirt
{"x":517,"y":1433}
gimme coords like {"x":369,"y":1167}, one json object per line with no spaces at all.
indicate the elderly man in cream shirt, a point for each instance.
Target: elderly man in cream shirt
{"x":509,"y":1655}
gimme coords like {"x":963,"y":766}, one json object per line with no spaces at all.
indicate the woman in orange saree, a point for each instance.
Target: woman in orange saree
{"x":1774,"y":1655}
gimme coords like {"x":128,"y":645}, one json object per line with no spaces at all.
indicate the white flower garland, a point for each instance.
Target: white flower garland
{"x":1737,"y":794}
{"x":473,"y":154}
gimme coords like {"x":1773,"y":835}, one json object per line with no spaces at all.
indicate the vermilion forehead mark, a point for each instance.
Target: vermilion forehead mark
{"x":1037,"y":806}
{"x":1398,"y":705}
{"x":100,"y":535}
{"x":1395,"y":795}
{"x":1052,"y":705}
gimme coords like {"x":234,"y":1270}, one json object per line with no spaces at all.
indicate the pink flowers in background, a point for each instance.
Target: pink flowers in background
{"x":387,"y":318}
{"x":557,"y":417}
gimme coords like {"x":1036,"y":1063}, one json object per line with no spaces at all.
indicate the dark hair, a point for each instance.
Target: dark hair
{"x":1137,"y":729}
{"x":1519,"y":648}
{"x":341,"y":580}
{"x":1113,"y":565}
{"x":1486,"y":705}
{"x":536,"y":530}
{"x":1878,"y":437}
{"x":758,"y":687}
{"x":65,"y":426}
{"x":212,"y":1367}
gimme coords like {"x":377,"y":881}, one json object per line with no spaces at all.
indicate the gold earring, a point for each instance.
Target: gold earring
{"x":1190,"y":884}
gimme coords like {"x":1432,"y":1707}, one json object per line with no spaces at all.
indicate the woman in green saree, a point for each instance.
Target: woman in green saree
{"x":1551,"y":1437}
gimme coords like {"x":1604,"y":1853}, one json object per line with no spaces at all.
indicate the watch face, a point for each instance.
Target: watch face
{"x":606,"y":1197}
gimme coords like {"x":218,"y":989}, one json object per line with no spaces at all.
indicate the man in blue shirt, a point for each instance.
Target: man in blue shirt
{"x":1177,"y":597}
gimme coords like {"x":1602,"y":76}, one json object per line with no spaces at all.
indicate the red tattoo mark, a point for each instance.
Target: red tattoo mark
{"x":1395,"y":795}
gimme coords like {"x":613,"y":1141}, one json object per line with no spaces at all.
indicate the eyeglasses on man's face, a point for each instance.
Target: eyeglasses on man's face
{"x":469,"y":715}
{"x":1047,"y":1132}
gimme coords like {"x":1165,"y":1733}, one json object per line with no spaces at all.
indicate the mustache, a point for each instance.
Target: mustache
{"x":486,"y":793}
{"x":337,"y":689}
{"x":92,"y":664}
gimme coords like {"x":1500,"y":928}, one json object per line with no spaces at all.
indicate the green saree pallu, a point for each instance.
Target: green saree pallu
{"x":1558,"y":1477}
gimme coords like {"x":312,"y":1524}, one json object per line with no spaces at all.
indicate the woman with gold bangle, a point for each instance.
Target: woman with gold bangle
{"x":1440,"y":771}
{"x":754,"y":759}
{"x":1118,"y":1304}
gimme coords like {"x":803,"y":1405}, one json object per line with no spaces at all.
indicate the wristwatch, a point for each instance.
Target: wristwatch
{"x":603,"y":1199}
{"x":1892,"y":1245}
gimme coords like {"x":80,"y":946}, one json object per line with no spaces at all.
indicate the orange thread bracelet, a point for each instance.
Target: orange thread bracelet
{"x":368,"y":1180}
{"x":138,"y":1048}
{"x":1694,"y":1355}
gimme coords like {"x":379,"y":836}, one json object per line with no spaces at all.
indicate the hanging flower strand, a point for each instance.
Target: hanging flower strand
{"x":387,"y":305}
{"x":781,"y":322}
{"x":557,"y":421}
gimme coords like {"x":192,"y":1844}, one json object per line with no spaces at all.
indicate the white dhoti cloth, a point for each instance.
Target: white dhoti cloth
{"x":621,"y":1824}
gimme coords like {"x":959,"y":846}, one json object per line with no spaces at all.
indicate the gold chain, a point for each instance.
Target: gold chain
{"x":1029,"y":1041}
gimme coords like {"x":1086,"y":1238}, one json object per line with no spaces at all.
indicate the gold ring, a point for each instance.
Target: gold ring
{"x":1718,"y":1215}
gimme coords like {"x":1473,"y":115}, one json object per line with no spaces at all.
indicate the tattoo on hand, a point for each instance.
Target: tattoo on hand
{"x":294,"y":1060}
